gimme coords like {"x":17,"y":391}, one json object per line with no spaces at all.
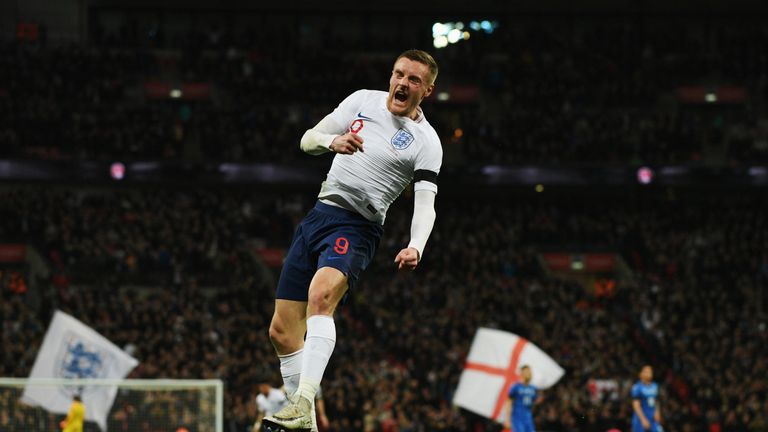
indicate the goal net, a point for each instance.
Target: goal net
{"x":141,"y":405}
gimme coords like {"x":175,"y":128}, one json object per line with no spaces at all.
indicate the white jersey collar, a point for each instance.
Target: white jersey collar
{"x":419,"y":119}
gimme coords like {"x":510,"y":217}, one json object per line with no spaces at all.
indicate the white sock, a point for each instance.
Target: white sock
{"x":290,"y":369}
{"x":318,"y":347}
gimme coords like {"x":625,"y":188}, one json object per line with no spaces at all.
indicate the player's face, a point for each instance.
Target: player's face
{"x":646,"y":374}
{"x":411,"y":82}
{"x":526,"y":374}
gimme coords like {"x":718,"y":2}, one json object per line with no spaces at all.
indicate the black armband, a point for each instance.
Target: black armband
{"x":425,"y":175}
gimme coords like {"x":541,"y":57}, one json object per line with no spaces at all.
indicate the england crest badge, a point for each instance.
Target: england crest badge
{"x":402,"y":139}
{"x":78,"y":359}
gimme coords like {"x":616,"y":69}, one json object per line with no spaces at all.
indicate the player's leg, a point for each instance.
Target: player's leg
{"x":286,"y":331}
{"x":343,"y":244}
{"x":325,"y":292}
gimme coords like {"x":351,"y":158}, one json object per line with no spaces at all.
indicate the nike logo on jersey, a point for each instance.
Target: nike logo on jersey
{"x":357,"y":124}
{"x":361,"y":116}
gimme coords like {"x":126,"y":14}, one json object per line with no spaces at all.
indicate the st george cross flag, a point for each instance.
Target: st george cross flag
{"x":71,"y":349}
{"x":493,"y":365}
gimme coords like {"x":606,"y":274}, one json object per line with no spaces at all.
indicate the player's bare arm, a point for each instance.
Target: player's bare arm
{"x":508,"y":413}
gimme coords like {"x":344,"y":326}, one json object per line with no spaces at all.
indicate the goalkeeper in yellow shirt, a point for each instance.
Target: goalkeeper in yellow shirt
{"x":75,"y":416}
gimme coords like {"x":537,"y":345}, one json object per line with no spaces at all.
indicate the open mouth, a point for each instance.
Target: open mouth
{"x":401,"y":95}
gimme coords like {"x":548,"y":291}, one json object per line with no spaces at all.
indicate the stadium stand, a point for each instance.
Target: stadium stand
{"x":544,"y":93}
{"x":185,"y":275}
{"x":692,"y":266}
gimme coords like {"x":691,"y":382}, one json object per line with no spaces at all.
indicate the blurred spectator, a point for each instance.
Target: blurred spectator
{"x":584,"y":91}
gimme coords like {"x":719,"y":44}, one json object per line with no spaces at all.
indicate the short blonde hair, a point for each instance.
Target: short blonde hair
{"x":421,"y":57}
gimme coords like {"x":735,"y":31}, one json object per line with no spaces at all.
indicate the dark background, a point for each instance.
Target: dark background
{"x":548,"y":121}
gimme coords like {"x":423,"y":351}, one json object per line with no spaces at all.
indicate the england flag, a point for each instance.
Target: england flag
{"x":493,"y":365}
{"x":71,"y":349}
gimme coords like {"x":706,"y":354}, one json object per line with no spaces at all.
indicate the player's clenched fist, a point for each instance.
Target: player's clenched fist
{"x":348,"y":143}
{"x":407,"y":259}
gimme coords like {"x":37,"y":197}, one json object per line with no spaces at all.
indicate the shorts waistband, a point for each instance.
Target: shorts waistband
{"x":340,"y":212}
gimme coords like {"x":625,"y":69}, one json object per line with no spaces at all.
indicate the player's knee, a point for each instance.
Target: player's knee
{"x":276,"y":334}
{"x":322,"y":301}
{"x":280,"y":337}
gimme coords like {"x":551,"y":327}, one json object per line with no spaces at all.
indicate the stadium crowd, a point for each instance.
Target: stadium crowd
{"x":690,"y":307}
{"x":547,"y":93}
{"x":175,"y":276}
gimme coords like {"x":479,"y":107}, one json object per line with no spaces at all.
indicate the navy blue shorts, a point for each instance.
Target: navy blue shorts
{"x":327,"y":237}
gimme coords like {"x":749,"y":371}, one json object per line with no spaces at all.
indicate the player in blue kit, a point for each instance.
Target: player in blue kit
{"x":382,"y":142}
{"x":522,"y":397}
{"x":645,"y":403}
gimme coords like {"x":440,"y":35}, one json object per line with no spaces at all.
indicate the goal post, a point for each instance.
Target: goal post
{"x":140,"y":404}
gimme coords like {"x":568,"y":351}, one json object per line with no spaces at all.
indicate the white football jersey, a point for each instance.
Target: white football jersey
{"x":271,"y":403}
{"x":396,"y":151}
